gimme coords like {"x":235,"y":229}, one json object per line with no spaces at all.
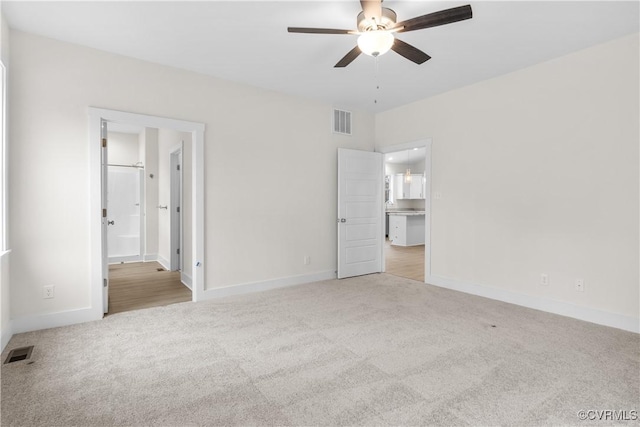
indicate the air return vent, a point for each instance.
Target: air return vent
{"x":342,"y":122}
{"x":17,"y":354}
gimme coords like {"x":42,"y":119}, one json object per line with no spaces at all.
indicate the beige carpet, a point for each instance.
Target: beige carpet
{"x":373,"y":350}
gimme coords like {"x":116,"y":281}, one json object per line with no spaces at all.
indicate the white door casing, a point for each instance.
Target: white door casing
{"x":360,"y":190}
{"x":98,"y":239}
{"x":104,"y":165}
{"x":426,"y":192}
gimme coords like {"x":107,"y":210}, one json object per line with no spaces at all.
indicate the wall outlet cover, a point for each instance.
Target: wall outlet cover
{"x":48,"y":292}
{"x":544,"y":279}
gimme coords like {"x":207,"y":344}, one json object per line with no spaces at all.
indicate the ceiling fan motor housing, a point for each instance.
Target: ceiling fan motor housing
{"x":387,"y":21}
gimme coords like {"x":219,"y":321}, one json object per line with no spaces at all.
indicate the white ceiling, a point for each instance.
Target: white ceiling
{"x":248,"y":41}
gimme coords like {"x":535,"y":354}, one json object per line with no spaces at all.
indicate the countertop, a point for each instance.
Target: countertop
{"x":403,"y":212}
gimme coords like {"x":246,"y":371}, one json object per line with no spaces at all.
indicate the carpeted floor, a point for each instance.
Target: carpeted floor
{"x":371,"y":350}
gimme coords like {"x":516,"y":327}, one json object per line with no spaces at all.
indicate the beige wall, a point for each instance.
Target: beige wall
{"x":149,"y":139}
{"x":5,"y":306}
{"x":261,"y":218}
{"x":538,"y":172}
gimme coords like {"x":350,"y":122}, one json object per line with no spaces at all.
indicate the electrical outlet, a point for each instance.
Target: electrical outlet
{"x":544,"y":279}
{"x":437,"y":195}
{"x":580,"y":285}
{"x":48,"y":291}
{"x":307,"y":260}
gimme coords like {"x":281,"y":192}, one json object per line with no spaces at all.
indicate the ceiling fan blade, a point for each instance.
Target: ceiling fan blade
{"x":348,"y":58}
{"x":372,"y":9}
{"x":318,"y":30}
{"x":443,"y":17}
{"x":411,"y":53}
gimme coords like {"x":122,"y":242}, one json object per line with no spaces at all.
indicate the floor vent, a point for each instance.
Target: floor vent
{"x":17,"y":354}
{"x":342,"y":122}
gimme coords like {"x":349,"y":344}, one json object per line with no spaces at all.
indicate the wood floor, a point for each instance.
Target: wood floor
{"x":405,"y":261}
{"x":137,"y":285}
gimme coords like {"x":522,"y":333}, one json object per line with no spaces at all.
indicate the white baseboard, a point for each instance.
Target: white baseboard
{"x":186,"y":280}
{"x":121,"y":259}
{"x":150,"y":257}
{"x":54,"y":320}
{"x":592,"y":315}
{"x":163,"y":262}
{"x":282,"y":282}
{"x":5,"y":336}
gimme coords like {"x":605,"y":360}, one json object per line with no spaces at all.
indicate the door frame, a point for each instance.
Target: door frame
{"x":143,"y":207}
{"x":96,"y":116}
{"x":175,"y":216}
{"x":426,"y":143}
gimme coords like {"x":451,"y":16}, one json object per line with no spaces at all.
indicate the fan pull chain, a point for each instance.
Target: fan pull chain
{"x":377,"y":80}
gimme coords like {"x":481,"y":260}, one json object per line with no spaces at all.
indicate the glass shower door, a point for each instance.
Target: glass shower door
{"x":124,"y":199}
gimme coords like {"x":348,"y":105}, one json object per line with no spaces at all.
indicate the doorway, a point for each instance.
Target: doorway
{"x":100,"y":120}
{"x":144,"y":218}
{"x":407,"y":210}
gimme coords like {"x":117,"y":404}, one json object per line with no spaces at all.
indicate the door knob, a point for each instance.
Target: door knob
{"x":111,"y":222}
{"x":342,"y":220}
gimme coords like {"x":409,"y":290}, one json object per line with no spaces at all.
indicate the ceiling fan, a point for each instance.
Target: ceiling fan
{"x":376,"y":28}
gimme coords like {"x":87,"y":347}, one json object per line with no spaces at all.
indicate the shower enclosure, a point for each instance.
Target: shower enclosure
{"x":124,"y":208}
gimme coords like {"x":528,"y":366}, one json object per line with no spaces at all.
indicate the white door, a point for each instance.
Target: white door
{"x":105,"y":221}
{"x":359,"y":212}
{"x":175,"y":206}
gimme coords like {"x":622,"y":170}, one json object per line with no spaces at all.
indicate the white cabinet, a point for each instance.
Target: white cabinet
{"x":397,"y":230}
{"x":406,"y":230}
{"x":416,"y":188}
{"x":409,"y":190}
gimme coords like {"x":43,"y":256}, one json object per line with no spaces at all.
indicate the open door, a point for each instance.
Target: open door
{"x":175,"y":207}
{"x":359,"y":212}
{"x":104,"y":161}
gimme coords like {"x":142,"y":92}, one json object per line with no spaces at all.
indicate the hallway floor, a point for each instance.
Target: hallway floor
{"x":137,"y":285}
{"x":404,"y":261}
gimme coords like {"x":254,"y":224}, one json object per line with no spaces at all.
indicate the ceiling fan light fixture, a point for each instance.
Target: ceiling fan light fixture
{"x":375,"y":43}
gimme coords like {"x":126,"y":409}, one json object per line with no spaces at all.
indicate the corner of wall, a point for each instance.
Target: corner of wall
{"x":5,"y":335}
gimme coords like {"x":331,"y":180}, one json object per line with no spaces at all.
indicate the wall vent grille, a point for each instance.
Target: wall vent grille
{"x":342,"y":122}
